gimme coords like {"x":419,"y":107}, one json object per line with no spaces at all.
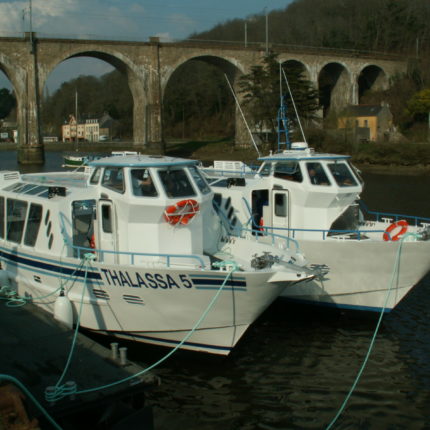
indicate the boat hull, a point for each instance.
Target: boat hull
{"x":361,"y":275}
{"x":158,"y":306}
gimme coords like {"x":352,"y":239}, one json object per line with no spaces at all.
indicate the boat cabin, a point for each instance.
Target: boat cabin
{"x":157,"y":207}
{"x":297,"y":189}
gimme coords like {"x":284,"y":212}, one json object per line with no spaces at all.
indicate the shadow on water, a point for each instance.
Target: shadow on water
{"x":293,"y":369}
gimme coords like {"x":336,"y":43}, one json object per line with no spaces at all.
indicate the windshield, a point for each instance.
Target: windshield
{"x":176,"y":183}
{"x":342,"y":175}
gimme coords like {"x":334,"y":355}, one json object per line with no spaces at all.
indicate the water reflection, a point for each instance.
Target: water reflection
{"x":292,"y":371}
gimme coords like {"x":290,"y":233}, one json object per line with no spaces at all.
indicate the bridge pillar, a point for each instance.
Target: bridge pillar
{"x":30,"y":147}
{"x":153,"y":110}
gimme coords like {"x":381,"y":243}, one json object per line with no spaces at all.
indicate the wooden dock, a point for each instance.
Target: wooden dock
{"x":34,"y":349}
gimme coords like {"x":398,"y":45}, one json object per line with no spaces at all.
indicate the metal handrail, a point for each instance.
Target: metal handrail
{"x":82,"y":249}
{"x":380,"y":215}
{"x":239,"y":231}
{"x":133,"y":255}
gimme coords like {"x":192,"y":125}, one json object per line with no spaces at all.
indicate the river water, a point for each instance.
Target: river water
{"x":295,"y":365}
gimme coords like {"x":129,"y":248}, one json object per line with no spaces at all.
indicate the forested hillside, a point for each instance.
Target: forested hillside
{"x":198,"y":104}
{"x":398,"y":26}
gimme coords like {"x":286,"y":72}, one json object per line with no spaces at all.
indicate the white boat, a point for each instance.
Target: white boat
{"x":79,"y":159}
{"x":137,"y":260}
{"x":315,"y":198}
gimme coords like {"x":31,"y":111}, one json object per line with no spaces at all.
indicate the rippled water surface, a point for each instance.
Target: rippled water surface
{"x":295,"y":365}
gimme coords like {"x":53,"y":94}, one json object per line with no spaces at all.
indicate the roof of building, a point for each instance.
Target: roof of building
{"x":363,"y":110}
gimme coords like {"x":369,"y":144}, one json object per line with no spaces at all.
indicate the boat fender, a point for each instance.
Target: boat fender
{"x":402,"y":224}
{"x":63,"y":311}
{"x":181,"y":212}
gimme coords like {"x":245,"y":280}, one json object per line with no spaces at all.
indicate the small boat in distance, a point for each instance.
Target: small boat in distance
{"x":133,"y":248}
{"x":79,"y":159}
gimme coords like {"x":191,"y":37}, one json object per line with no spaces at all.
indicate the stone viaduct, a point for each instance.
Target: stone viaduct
{"x":341,"y":76}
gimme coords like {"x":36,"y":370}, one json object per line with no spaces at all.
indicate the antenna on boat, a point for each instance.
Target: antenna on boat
{"x":294,"y":105}
{"x":283,"y":134}
{"x":243,"y":116}
{"x":76,"y":119}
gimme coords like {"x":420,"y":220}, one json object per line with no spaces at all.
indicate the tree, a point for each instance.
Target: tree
{"x":419,"y":104}
{"x":7,"y":102}
{"x":261,"y":92}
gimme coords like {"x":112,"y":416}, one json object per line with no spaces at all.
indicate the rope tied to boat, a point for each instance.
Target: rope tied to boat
{"x":394,"y":275}
{"x":59,"y":390}
{"x":62,"y":391}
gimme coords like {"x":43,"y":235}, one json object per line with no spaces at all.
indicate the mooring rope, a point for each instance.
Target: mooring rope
{"x":372,"y":342}
{"x":53,"y":394}
{"x":59,"y":390}
{"x":31,"y":397}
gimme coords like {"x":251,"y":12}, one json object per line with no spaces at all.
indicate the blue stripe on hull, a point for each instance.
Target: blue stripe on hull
{"x":16,"y":259}
{"x":218,"y":282}
{"x":170,"y":342}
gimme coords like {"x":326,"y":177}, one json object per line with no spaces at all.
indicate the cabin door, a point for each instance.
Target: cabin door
{"x":280,"y":209}
{"x":107,"y":231}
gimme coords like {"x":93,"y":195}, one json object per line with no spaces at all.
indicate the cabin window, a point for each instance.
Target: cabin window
{"x":281,"y":204}
{"x":142,"y":183}
{"x":342,"y":175}
{"x":83,"y":213}
{"x":317,"y":175}
{"x":107,"y":219}
{"x":113,"y":178}
{"x":266,"y":169}
{"x":176,"y":183}
{"x":33,"y":224}
{"x":37,"y":189}
{"x":2,"y":217}
{"x":356,"y":172}
{"x":95,"y":177}
{"x":200,"y":180}
{"x":48,"y":213}
{"x":289,"y":170}
{"x":16,"y":214}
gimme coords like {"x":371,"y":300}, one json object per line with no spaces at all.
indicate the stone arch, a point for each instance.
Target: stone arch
{"x":303,"y":67}
{"x":334,"y":83}
{"x":230,"y":67}
{"x":371,"y":77}
{"x":17,"y":76}
{"x":135,"y":79}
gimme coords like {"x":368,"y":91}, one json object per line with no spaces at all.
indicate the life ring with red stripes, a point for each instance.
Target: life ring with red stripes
{"x":181,"y":212}
{"x":402,"y":224}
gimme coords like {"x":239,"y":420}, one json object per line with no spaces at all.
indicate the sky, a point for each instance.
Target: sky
{"x":118,"y":20}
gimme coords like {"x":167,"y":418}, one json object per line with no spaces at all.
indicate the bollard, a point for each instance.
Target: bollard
{"x":70,"y":387}
{"x":50,"y":394}
{"x":114,"y":349}
{"x":123,"y":356}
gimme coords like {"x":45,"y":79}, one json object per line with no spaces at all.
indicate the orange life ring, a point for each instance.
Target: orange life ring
{"x":181,"y":212}
{"x":93,"y":242}
{"x":402,"y":224}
